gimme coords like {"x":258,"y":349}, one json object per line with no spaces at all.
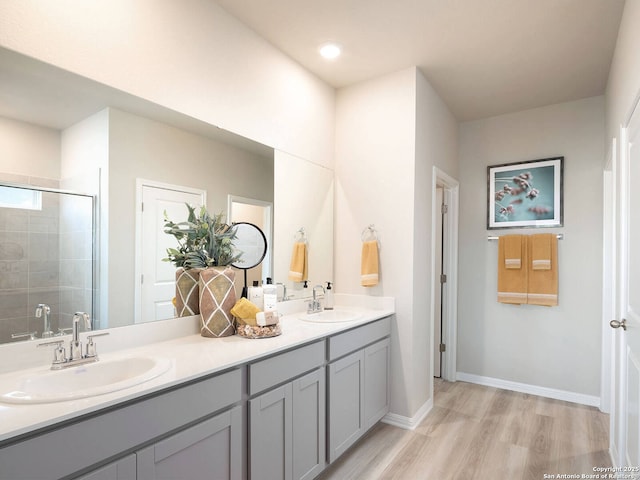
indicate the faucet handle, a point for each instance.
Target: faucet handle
{"x":63,"y":331}
{"x":91,"y":346}
{"x":59,"y":355}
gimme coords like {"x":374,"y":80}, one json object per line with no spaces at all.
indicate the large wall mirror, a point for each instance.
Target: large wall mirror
{"x":59,"y":128}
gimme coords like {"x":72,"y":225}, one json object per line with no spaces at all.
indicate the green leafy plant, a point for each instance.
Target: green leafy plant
{"x":204,"y":240}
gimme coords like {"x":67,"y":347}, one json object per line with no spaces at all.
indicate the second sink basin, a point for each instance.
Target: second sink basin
{"x":331,"y":316}
{"x":87,"y":380}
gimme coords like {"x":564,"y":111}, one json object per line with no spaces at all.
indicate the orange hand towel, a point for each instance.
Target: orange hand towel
{"x":298,"y":269}
{"x":541,"y":251}
{"x":513,"y":252}
{"x":369,"y":274}
{"x":512,"y":282}
{"x":543,"y":284}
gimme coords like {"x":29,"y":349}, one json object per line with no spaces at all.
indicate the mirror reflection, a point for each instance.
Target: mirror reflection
{"x":57,"y":128}
{"x":251,"y":243}
{"x":46,"y":260}
{"x":62,"y":131}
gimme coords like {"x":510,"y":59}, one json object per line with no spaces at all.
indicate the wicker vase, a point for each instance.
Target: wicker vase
{"x":187,"y":292}
{"x":217,"y":298}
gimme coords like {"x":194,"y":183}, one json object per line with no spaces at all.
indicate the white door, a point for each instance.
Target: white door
{"x":627,"y":345}
{"x":156,"y":279}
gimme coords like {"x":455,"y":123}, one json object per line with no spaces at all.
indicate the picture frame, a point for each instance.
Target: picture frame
{"x":525,"y":194}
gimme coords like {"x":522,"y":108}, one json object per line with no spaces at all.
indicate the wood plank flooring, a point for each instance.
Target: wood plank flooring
{"x":482,"y":433}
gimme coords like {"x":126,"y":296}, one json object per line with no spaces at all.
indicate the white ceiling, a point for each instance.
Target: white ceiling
{"x":484,"y":57}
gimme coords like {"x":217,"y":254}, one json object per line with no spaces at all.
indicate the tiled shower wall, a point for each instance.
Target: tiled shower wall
{"x":45,"y":257}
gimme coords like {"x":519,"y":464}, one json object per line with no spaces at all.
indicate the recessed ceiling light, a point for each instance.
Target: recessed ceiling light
{"x":330,"y":51}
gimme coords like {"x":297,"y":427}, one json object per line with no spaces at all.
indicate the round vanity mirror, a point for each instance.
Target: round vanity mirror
{"x":252,"y":243}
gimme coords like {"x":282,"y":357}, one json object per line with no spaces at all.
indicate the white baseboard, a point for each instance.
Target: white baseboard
{"x":556,"y":394}
{"x":409,"y":423}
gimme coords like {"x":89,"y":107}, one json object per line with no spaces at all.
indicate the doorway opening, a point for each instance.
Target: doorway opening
{"x":444,"y":262}
{"x":260,"y":214}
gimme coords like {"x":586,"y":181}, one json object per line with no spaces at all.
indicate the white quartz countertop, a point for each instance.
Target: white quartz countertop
{"x":191,"y":356}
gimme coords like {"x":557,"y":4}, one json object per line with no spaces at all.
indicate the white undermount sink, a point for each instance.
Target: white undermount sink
{"x":88,"y":380}
{"x":331,"y":316}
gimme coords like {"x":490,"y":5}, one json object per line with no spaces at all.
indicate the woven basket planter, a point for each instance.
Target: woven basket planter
{"x":217,"y":298}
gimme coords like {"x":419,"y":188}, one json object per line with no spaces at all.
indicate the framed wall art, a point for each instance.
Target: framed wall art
{"x":525,"y":194}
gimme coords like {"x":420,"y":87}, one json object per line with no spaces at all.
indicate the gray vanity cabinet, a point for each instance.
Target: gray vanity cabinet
{"x":283,"y":416}
{"x":177,"y":422}
{"x":123,"y":469}
{"x":346,"y":412}
{"x":309,"y":439}
{"x":287,"y":421}
{"x":377,"y":358}
{"x":208,"y":450}
{"x":358,"y":383}
{"x":270,"y":435}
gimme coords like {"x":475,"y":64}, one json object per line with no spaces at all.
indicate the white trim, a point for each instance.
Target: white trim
{"x":450,"y":302}
{"x":573,"y":397}
{"x":607,"y":383}
{"x":409,"y":423}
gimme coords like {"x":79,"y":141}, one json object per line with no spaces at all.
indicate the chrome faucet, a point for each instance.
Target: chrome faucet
{"x":76,"y":357}
{"x":76,"y":345}
{"x":44,"y":310}
{"x":315,"y":306}
{"x":41,"y":309}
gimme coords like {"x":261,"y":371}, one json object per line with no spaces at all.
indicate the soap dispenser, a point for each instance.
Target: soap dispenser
{"x":328,"y":297}
{"x":255,"y":295}
{"x":269,"y":296}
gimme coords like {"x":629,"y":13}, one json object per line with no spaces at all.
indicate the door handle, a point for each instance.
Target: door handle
{"x":617,"y":324}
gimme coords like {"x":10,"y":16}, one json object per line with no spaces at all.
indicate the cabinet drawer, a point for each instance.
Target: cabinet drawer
{"x":89,"y":441}
{"x":352,"y":340}
{"x":285,"y":366}
{"x":211,"y":449}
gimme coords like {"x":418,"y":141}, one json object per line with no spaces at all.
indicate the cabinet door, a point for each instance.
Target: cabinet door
{"x":346,"y":406}
{"x":270,"y":435}
{"x":209,"y":450}
{"x":124,"y":469}
{"x":376,"y":382}
{"x":309,"y":425}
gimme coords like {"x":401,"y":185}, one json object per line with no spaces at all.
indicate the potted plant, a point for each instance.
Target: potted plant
{"x":205,"y":242}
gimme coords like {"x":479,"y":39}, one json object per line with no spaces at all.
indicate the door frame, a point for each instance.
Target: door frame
{"x":609,"y":241}
{"x":140,"y":184}
{"x":450,"y":265}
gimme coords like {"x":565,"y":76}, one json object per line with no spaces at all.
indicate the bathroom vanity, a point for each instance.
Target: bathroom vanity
{"x":235,"y":408}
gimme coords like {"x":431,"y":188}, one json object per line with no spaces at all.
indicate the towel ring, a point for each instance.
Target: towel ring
{"x":369,"y":233}
{"x":300,"y":236}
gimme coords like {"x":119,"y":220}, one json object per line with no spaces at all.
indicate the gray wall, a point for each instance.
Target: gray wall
{"x":143,"y":148}
{"x":554,"y":347}
{"x":390,"y":132}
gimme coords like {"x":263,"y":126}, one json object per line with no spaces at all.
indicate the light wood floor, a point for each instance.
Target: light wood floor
{"x":482,"y":433}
